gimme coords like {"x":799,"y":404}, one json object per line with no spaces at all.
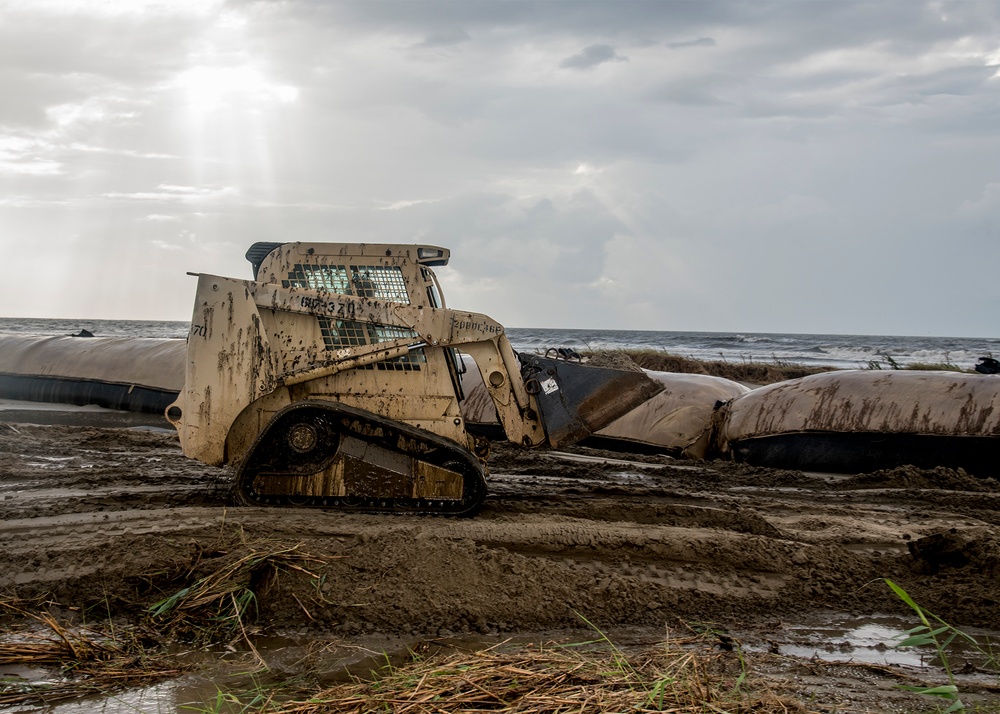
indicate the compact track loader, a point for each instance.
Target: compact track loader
{"x":333,"y":380}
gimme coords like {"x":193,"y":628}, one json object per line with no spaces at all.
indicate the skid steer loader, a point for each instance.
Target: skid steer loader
{"x":333,"y":380}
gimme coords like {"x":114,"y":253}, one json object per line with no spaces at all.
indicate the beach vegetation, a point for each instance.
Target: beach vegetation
{"x":258,"y":697}
{"x":683,"y":674}
{"x":86,"y":660}
{"x":221,"y":602}
{"x":936,"y":367}
{"x":746,"y":369}
{"x":887,"y":361}
{"x":937,"y":634}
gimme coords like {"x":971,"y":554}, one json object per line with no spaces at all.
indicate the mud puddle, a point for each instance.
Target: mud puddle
{"x":873,"y":639}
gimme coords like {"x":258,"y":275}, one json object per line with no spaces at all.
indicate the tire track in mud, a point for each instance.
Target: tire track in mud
{"x":87,"y":514}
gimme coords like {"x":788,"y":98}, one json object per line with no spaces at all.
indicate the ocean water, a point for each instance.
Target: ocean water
{"x":845,"y":351}
{"x":99,"y":328}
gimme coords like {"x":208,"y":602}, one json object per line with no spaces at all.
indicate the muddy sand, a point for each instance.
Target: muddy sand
{"x":782,"y":563}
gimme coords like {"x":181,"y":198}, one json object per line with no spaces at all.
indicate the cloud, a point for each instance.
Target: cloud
{"x":591,"y":57}
{"x":702,"y":93}
{"x":958,"y":81}
{"x":809,"y":148}
{"x":31,"y":167}
{"x":700,"y":42}
{"x":23,"y":156}
{"x":164,"y":245}
{"x":179,"y":194}
{"x":445,"y":39}
{"x":985,"y":210}
{"x":118,"y":151}
{"x":399,"y":205}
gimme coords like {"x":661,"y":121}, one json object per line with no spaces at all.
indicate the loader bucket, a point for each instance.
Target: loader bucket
{"x":575,"y":399}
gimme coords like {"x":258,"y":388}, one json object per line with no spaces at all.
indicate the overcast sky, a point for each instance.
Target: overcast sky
{"x":827,"y":167}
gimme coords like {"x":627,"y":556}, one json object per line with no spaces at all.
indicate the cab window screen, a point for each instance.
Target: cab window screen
{"x":381,"y":282}
{"x":378,"y":282}
{"x":319,"y":277}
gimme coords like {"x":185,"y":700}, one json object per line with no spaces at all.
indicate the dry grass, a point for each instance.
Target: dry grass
{"x":742,"y":371}
{"x":552,"y":679}
{"x":235,"y":576}
{"x":101,"y":659}
{"x":936,"y":367}
{"x":88,"y":661}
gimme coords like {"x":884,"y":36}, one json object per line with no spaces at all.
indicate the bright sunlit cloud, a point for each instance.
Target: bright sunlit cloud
{"x":124,"y":7}
{"x":31,"y":167}
{"x":208,"y":88}
{"x":180,"y":194}
{"x":399,"y":205}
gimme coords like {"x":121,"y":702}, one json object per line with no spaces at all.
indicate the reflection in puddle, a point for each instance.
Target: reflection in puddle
{"x":154,"y":698}
{"x":870,"y":642}
{"x":838,"y":637}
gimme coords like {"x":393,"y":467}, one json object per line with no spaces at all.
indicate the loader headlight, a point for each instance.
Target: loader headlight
{"x":429,"y":255}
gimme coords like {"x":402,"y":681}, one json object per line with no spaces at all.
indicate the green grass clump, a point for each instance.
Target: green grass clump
{"x":938,"y":634}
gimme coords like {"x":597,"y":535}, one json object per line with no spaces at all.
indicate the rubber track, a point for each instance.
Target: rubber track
{"x":271,"y":453}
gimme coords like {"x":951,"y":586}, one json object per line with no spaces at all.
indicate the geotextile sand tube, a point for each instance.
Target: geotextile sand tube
{"x":132,"y":374}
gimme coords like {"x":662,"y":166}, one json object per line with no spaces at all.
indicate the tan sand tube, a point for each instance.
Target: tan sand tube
{"x":676,"y":421}
{"x":859,"y":420}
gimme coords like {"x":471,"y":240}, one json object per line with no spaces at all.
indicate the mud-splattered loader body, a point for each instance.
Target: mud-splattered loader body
{"x":332,"y":380}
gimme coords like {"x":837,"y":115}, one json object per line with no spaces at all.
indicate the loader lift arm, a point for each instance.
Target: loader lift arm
{"x":478,"y":335}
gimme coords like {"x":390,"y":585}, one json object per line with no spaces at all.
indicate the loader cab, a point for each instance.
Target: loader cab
{"x":364,"y":270}
{"x":389,"y":272}
{"x":393,"y":273}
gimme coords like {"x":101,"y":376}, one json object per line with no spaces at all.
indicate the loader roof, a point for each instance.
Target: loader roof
{"x":429,"y":255}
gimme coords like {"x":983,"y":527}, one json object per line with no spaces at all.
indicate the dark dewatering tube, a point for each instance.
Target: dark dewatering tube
{"x":81,"y":392}
{"x":130,"y":374}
